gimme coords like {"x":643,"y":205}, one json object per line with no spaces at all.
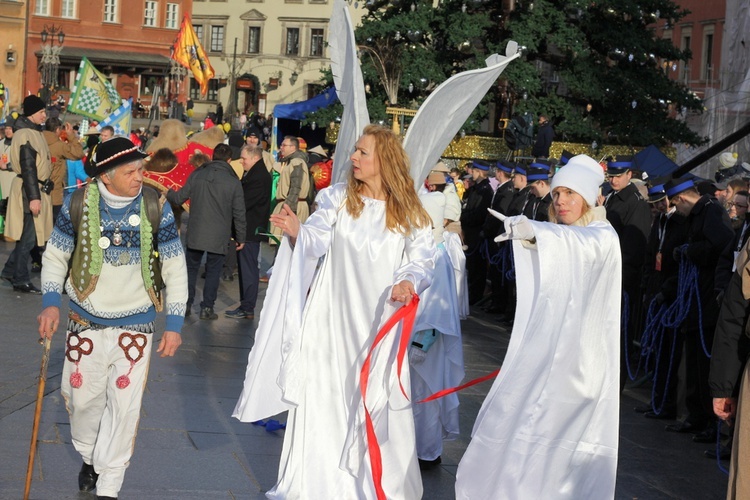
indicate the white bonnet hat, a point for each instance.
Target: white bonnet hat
{"x":583,"y":175}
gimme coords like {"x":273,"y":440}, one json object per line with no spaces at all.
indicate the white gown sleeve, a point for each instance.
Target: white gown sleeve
{"x":314,"y":237}
{"x":419,"y":260}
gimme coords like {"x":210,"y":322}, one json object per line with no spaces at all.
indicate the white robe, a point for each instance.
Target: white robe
{"x":312,"y":365}
{"x":443,"y":366}
{"x":549,"y":425}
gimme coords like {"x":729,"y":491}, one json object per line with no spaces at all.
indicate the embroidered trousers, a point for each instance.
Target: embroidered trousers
{"x":103,"y":417}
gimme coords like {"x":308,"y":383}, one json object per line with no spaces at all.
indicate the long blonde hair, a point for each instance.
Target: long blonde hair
{"x":403,"y":210}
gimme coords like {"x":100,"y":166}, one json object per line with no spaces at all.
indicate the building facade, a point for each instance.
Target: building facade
{"x":128,"y":40}
{"x":264,"y":52}
{"x":13,"y":29}
{"x":701,"y":31}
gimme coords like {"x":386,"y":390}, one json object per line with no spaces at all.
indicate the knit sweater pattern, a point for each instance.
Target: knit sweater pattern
{"x":120,"y":298}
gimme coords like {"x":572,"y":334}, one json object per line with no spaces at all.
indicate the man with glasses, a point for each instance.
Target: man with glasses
{"x":294,"y":181}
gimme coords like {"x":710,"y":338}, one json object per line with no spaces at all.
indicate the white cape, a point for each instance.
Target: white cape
{"x":309,"y":352}
{"x":549,"y":426}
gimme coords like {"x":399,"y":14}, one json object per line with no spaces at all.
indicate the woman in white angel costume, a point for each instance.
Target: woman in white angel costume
{"x":377,"y":250}
{"x":549,"y":425}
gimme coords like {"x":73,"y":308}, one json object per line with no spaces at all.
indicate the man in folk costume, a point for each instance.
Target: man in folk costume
{"x":117,"y":244}
{"x":294,"y":181}
{"x":29,"y":216}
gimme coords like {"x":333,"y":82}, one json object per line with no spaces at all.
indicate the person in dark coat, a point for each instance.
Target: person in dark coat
{"x":537,"y":177}
{"x":256,"y":188}
{"x":659,"y":284}
{"x":219,"y":114}
{"x":630,"y":216}
{"x":544,"y":137}
{"x":726,"y":265}
{"x":709,"y":232}
{"x":478,"y":200}
{"x":493,"y":227}
{"x":216,"y":202}
{"x":522,"y":195}
{"x":729,"y":376}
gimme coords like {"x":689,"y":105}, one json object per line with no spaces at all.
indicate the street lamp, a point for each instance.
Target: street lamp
{"x":50,"y":61}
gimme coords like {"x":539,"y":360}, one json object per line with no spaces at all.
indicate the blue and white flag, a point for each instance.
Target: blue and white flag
{"x":120,"y":119}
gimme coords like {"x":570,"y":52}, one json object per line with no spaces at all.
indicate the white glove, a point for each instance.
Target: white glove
{"x":517,"y":227}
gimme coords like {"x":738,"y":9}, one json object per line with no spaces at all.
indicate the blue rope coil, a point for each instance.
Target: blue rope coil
{"x":688,"y":287}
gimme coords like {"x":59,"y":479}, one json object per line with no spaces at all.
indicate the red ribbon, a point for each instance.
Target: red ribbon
{"x":407,"y":313}
{"x":445,"y":392}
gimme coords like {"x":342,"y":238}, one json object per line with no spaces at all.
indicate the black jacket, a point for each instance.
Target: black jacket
{"x":27,"y":159}
{"x":216,"y":202}
{"x":474,"y":214}
{"x":538,"y":208}
{"x":709,"y":233}
{"x":630,"y":216}
{"x":500,"y":203}
{"x":726,"y":259}
{"x":543,"y":141}
{"x":730,"y":348}
{"x":521,"y":199}
{"x":256,"y":187}
{"x":675,"y":233}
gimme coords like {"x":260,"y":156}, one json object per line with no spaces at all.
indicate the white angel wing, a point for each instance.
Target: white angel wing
{"x":350,"y":87}
{"x":444,"y":112}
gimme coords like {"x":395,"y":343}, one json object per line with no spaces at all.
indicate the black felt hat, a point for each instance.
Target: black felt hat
{"x":112,"y":153}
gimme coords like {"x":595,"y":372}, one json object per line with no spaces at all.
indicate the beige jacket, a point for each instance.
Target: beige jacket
{"x":17,"y":204}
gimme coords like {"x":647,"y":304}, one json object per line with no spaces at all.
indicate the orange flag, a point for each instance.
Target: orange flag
{"x":188,"y":51}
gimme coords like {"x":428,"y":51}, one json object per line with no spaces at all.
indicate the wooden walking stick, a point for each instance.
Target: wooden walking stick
{"x":46,"y":342}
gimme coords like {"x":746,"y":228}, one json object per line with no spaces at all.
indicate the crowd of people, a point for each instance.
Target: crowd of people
{"x":662,"y":260}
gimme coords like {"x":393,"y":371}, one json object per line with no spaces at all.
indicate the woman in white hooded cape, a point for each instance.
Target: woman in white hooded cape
{"x":377,"y":250}
{"x":549,"y":425}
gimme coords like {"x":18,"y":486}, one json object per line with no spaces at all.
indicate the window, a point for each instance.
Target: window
{"x":149,"y":17}
{"x":217,"y":39}
{"x":198,"y":28}
{"x":211,"y":95}
{"x":708,"y":52}
{"x":292,"y":42}
{"x":171,"y":21}
{"x":68,"y":8}
{"x":253,"y":40}
{"x":316,"y":42}
{"x":110,"y":11}
{"x":42,"y":8}
{"x":685,"y":45}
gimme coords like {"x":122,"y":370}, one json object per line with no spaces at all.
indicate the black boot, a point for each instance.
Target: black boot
{"x":87,"y":477}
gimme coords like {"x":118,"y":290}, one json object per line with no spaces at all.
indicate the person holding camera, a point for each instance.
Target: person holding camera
{"x":29,"y":217}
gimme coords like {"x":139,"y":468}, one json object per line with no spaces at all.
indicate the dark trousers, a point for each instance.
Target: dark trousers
{"x":698,"y":399}
{"x":666,"y":372}
{"x":214,"y":263}
{"x":249,"y":275}
{"x":17,"y":266}
{"x":476,"y":272}
{"x":230,"y":264}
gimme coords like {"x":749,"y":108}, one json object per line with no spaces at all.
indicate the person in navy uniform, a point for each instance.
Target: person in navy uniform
{"x":478,"y":200}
